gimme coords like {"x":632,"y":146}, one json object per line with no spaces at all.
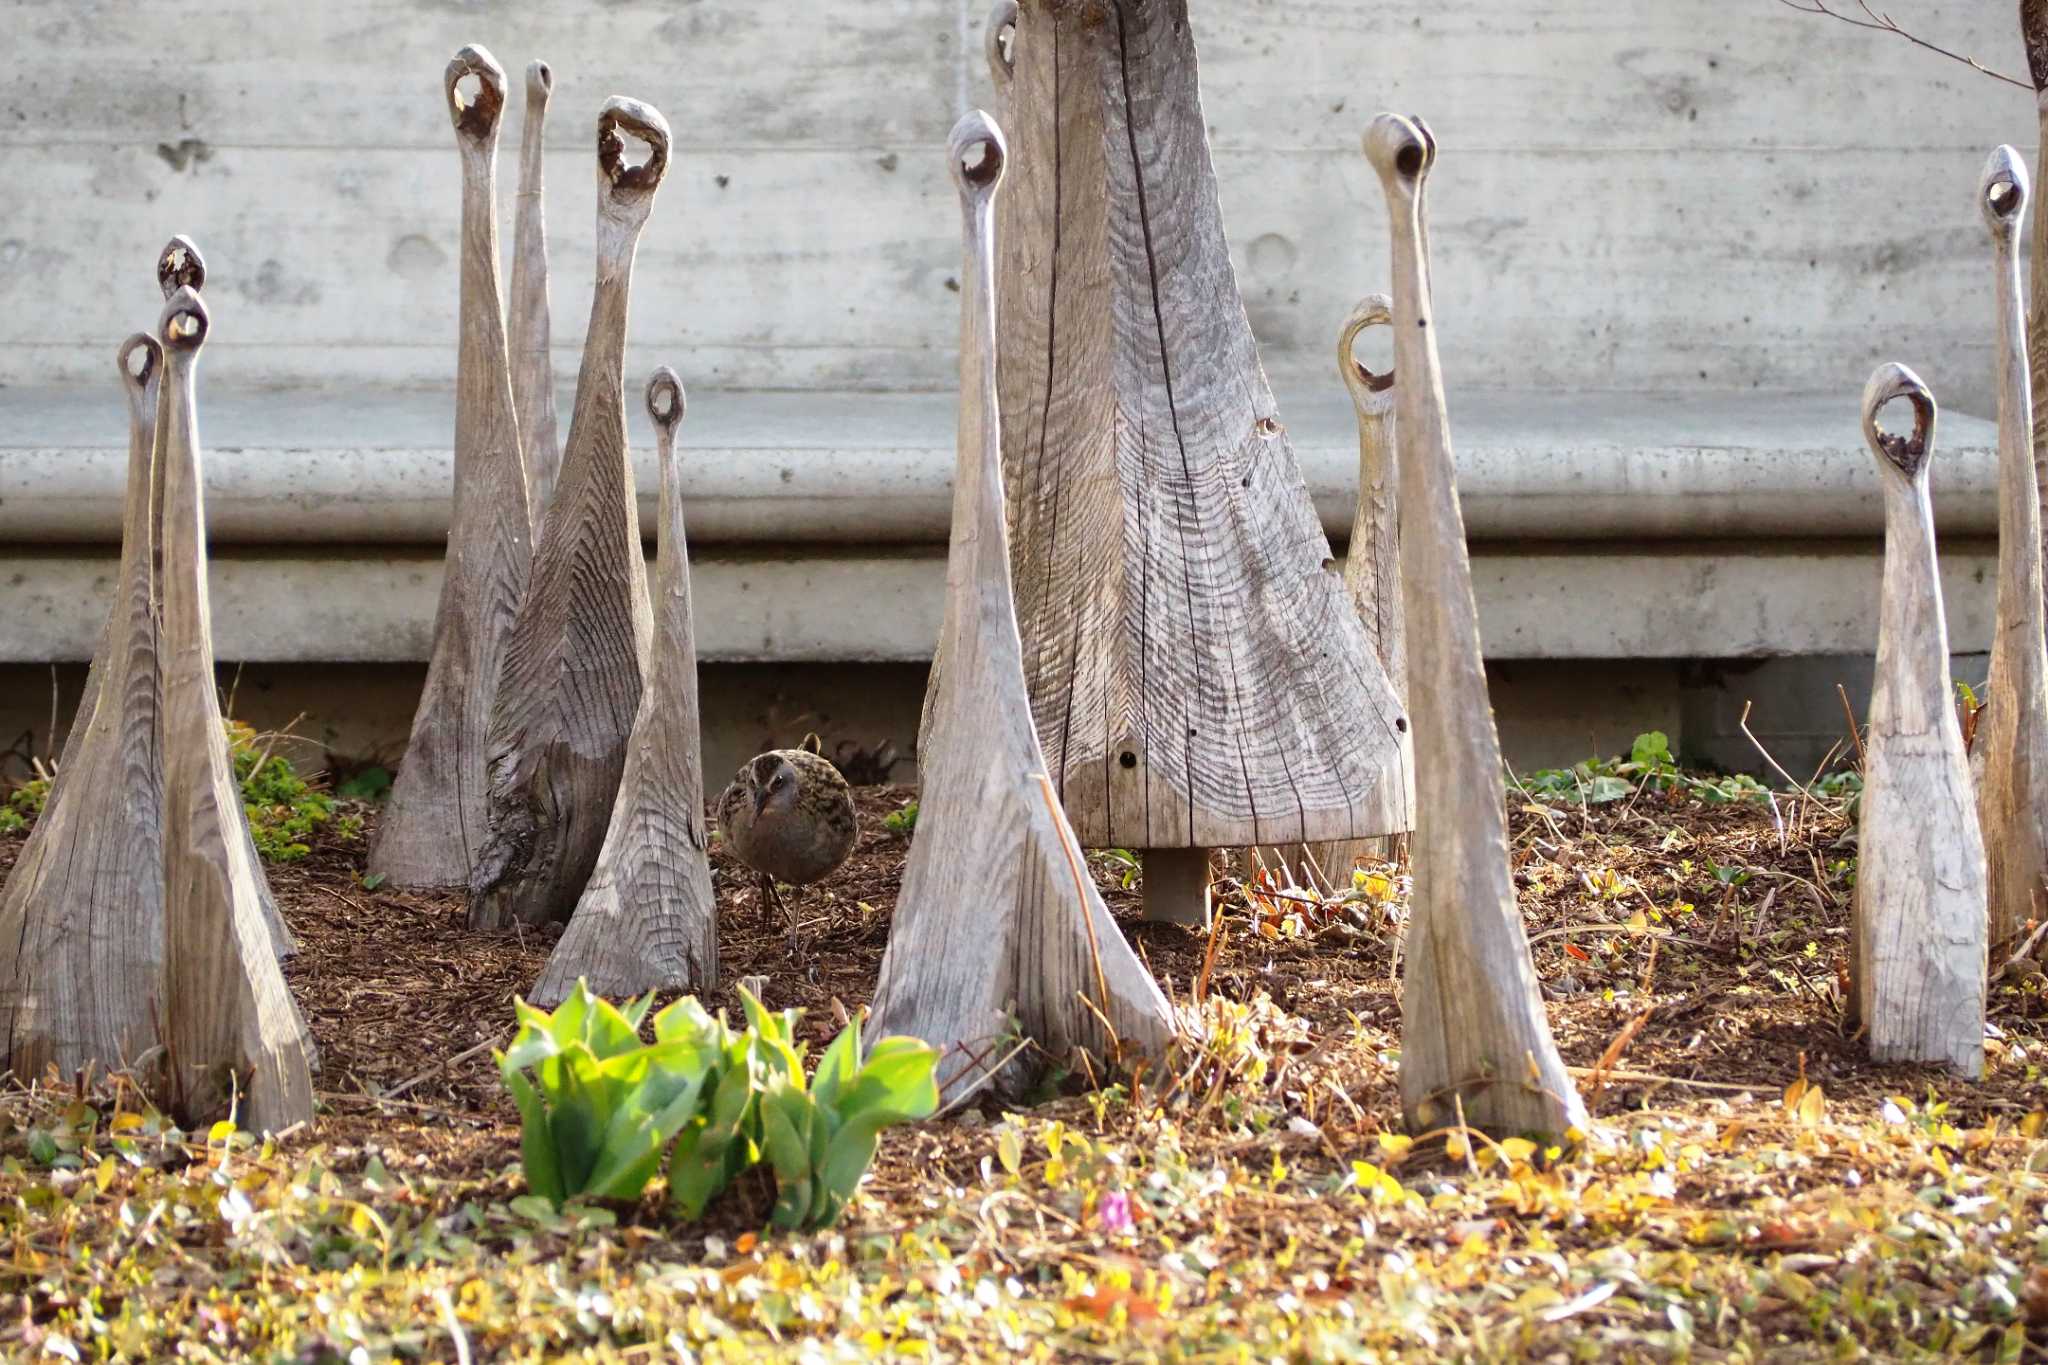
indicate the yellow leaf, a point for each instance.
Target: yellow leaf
{"x":126,"y":1123}
{"x":1396,"y":1145}
{"x":1813,"y":1105}
{"x":1517,"y":1149}
{"x":2030,"y":1126}
{"x":1455,"y":1147}
{"x":1010,"y":1150}
{"x":220,"y":1132}
{"x":1638,"y":923}
{"x":104,"y":1176}
{"x":1794,"y":1092}
{"x":359,"y":1221}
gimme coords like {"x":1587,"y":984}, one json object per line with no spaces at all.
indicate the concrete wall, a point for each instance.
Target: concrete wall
{"x":1680,"y":194}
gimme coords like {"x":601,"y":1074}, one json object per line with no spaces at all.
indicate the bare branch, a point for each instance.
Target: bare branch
{"x":1884,"y":23}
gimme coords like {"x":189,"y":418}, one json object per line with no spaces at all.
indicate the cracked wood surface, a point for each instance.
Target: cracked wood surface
{"x":573,"y":670}
{"x":1472,"y":1023}
{"x":2012,"y":795}
{"x":82,"y":913}
{"x":437,"y":820}
{"x":1198,"y":677}
{"x":526,"y":321}
{"x":998,"y":933}
{"x":1918,"y":950}
{"x":233,"y":1036}
{"x":648,"y":919}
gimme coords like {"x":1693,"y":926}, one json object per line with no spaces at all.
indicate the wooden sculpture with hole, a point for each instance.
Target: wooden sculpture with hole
{"x":81,"y":915}
{"x":647,"y":920}
{"x":1475,"y":1045}
{"x":572,"y":675}
{"x":1198,"y":677}
{"x":2012,"y":734}
{"x":435,"y":824}
{"x":1918,"y":951}
{"x":233,"y":1040}
{"x":526,"y":314}
{"x":999,"y":935}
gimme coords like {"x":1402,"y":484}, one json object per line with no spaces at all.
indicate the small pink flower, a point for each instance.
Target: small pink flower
{"x":1113,"y":1212}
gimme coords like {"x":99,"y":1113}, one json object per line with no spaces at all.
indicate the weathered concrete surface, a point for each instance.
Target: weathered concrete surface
{"x":306,"y":467}
{"x":1686,"y":194}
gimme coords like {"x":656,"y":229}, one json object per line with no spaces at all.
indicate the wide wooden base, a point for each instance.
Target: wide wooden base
{"x":1176,"y":886}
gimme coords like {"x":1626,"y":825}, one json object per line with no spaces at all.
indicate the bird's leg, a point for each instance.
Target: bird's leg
{"x":789,"y":909}
{"x":770,"y":896}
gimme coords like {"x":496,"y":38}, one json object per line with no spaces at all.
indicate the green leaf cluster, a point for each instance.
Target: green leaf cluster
{"x":599,"y":1107}
{"x":23,"y":805}
{"x":1650,"y":766}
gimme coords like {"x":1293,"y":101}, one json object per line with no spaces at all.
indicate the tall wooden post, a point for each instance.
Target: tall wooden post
{"x":526,"y":316}
{"x":2012,"y":796}
{"x":436,"y":822}
{"x":81,"y":914}
{"x":571,"y":681}
{"x":1198,"y":677}
{"x":233,"y":1038}
{"x":998,"y":931}
{"x":1474,"y":1040}
{"x":1918,"y":964}
{"x":648,"y":920}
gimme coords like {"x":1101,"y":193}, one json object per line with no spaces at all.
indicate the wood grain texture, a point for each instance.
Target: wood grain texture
{"x":1197,"y":675}
{"x":82,"y":912}
{"x":1918,"y":959}
{"x":527,"y":327}
{"x":571,"y":681}
{"x":2012,"y":798}
{"x":437,"y":820}
{"x":648,"y":920}
{"x":1372,"y":556}
{"x":1472,"y":1021}
{"x":998,"y":932}
{"x":233,"y":1038}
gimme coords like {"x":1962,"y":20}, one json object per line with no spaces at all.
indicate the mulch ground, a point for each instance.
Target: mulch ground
{"x":1726,"y":923}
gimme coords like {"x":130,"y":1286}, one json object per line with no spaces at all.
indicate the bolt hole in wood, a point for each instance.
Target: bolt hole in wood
{"x":634,"y":151}
{"x":1409,"y":160}
{"x":138,"y":361}
{"x":1006,"y":45}
{"x":1130,"y":760}
{"x":980,"y":162}
{"x":468,"y":86}
{"x":1372,"y":351}
{"x":2004,"y":197}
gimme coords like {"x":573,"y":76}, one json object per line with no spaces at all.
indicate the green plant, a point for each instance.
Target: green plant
{"x":820,"y":1138}
{"x":903,"y":821}
{"x":23,"y":805}
{"x":370,"y":784}
{"x":1129,"y":868}
{"x":597,"y":1106}
{"x":284,"y":808}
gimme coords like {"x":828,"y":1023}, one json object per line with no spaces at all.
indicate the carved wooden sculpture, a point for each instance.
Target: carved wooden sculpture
{"x":998,"y":928}
{"x":81,"y":916}
{"x":2012,"y":797}
{"x":1919,"y":951}
{"x":572,"y":675}
{"x":2034,"y":33}
{"x":233,"y":1037}
{"x":647,"y":921}
{"x":436,"y":822}
{"x":533,"y":370}
{"x":1472,"y":1020}
{"x":1198,"y":677}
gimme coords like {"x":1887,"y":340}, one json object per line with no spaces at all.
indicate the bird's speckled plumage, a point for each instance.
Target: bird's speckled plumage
{"x":788,"y":814}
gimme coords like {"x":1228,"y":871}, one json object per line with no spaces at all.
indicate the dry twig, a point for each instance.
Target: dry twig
{"x":1884,"y":23}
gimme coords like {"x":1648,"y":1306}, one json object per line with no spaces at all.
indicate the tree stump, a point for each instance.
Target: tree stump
{"x":648,"y":920}
{"x":2012,"y":796}
{"x":437,"y":820}
{"x":1197,"y":675}
{"x":82,"y":914}
{"x":572,"y":675}
{"x":527,"y":322}
{"x":233,"y":1038}
{"x":1474,"y":1040}
{"x":1919,"y":953}
{"x":998,"y":931}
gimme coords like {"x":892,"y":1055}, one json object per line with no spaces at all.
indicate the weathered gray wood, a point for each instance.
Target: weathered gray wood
{"x":1472,"y":1022}
{"x":1919,"y":944}
{"x":1372,"y":566}
{"x":437,"y":820}
{"x":180,"y":266}
{"x":1175,"y":886}
{"x":2034,"y":34}
{"x":81,"y":914}
{"x":2012,"y":798}
{"x":533,"y":368}
{"x":648,"y":920}
{"x":998,"y":930}
{"x":233,"y":1037}
{"x":572,"y":675}
{"x":1197,"y":675}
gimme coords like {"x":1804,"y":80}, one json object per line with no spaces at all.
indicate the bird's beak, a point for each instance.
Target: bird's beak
{"x":760,"y":801}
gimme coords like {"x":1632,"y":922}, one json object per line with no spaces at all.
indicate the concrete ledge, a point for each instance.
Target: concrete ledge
{"x":789,"y":469}
{"x":1721,"y":600}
